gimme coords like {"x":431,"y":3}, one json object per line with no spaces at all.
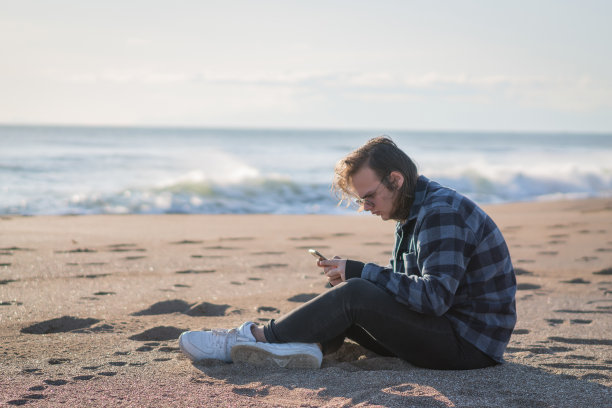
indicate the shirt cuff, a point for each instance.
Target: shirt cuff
{"x":353,"y":269}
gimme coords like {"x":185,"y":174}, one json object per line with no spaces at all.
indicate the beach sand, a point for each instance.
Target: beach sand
{"x":91,"y":308}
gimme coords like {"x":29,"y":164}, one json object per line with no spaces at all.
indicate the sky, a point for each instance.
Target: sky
{"x":515,"y":65}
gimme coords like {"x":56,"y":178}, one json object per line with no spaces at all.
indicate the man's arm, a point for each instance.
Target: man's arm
{"x":444,"y":246}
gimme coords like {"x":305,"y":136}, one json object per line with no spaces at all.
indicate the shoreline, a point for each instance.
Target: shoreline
{"x":144,"y":278}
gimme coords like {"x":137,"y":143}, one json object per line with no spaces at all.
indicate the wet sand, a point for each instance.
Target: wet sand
{"x":91,"y":308}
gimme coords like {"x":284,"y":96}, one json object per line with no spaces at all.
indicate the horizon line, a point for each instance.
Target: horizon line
{"x":304,"y":128}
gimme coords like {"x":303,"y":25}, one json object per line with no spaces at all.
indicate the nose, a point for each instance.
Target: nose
{"x":367,"y":206}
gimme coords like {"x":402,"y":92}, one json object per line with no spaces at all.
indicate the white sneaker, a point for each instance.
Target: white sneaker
{"x":214,"y":344}
{"x":286,"y":355}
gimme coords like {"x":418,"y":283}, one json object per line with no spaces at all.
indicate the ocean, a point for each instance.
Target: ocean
{"x":104,"y":170}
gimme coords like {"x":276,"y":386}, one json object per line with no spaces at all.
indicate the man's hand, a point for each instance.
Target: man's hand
{"x":334,"y":269}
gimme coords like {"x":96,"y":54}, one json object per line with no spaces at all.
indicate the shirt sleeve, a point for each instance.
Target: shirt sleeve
{"x":434,"y":270}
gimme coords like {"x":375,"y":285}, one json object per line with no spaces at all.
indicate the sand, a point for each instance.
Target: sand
{"x":91,"y":307}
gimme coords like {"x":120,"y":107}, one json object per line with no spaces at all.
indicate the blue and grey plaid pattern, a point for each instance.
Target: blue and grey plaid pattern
{"x":451,"y":259}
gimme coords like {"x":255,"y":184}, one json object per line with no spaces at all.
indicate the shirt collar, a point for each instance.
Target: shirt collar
{"x":419,"y":196}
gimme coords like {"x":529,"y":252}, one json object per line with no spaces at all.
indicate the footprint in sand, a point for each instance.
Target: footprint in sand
{"x":580,"y":357}
{"x":559,"y":236}
{"x":117,"y":246}
{"x":303,"y":297}
{"x":272,"y":265}
{"x":167,"y":349}
{"x":268,"y":253}
{"x":91,"y":368}
{"x":554,"y":322}
{"x":77,"y":251}
{"x":580,"y":321}
{"x":26,"y":399}
{"x":309,"y":238}
{"x":186,"y":242}
{"x":130,"y":249}
{"x":15,"y":248}
{"x":603,"y":250}
{"x":529,"y":261}
{"x":5,"y":265}
{"x":548,"y":253}
{"x":583,"y":311}
{"x":520,"y":271}
{"x":527,"y":286}
{"x":57,"y":361}
{"x":133,"y":258}
{"x":180,"y":306}
{"x":159,"y":333}
{"x":576,"y":281}
{"x":7,"y":281}
{"x":607,"y":271}
{"x":55,"y":383}
{"x":267,"y":309}
{"x":165,"y":307}
{"x":11,"y":302}
{"x":223,"y":248}
{"x":38,"y":388}
{"x":375,"y":243}
{"x":587,"y":342}
{"x":93,"y":276}
{"x":237,"y":238}
{"x":587,"y":258}
{"x":83,"y":377}
{"x":207,"y":309}
{"x":195,"y":271}
{"x":108,"y":373}
{"x":59,"y":325}
{"x":521,"y":331}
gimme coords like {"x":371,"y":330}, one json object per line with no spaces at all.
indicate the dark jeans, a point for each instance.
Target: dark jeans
{"x":367,"y":314}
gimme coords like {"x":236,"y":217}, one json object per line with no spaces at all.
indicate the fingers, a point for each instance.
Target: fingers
{"x":335,"y":282}
{"x":330,"y":262}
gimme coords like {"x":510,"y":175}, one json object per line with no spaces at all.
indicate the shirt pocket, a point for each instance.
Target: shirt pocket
{"x":410,"y":263}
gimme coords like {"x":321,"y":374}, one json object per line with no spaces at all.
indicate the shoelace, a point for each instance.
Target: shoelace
{"x":221,"y":337}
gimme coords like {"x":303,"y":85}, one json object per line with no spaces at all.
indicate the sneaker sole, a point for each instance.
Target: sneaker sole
{"x":256,"y":356}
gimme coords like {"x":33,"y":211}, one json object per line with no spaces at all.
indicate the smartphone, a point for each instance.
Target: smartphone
{"x":317,"y":254}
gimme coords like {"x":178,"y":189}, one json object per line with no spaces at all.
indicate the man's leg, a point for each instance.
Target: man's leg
{"x":360,"y":306}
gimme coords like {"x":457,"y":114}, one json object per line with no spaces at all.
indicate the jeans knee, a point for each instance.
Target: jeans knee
{"x":355,"y":288}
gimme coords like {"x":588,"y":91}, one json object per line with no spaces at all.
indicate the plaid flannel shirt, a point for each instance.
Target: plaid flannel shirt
{"x":451,"y":260}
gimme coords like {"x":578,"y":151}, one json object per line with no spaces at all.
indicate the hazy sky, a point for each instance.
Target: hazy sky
{"x":449,"y":65}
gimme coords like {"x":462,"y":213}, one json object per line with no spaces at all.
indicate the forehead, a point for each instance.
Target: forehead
{"x":364,"y":180}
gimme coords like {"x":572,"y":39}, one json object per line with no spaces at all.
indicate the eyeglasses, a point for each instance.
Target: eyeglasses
{"x":367,"y":199}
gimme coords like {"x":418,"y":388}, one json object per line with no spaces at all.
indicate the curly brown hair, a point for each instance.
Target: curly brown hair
{"x":383,"y":156}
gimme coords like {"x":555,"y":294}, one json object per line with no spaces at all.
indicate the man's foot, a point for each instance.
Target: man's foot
{"x":214,"y":344}
{"x":286,"y":355}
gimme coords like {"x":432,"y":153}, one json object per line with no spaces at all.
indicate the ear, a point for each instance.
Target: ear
{"x":396,"y":179}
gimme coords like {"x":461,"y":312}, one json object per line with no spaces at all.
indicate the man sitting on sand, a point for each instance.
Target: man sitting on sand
{"x":446,"y":301}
